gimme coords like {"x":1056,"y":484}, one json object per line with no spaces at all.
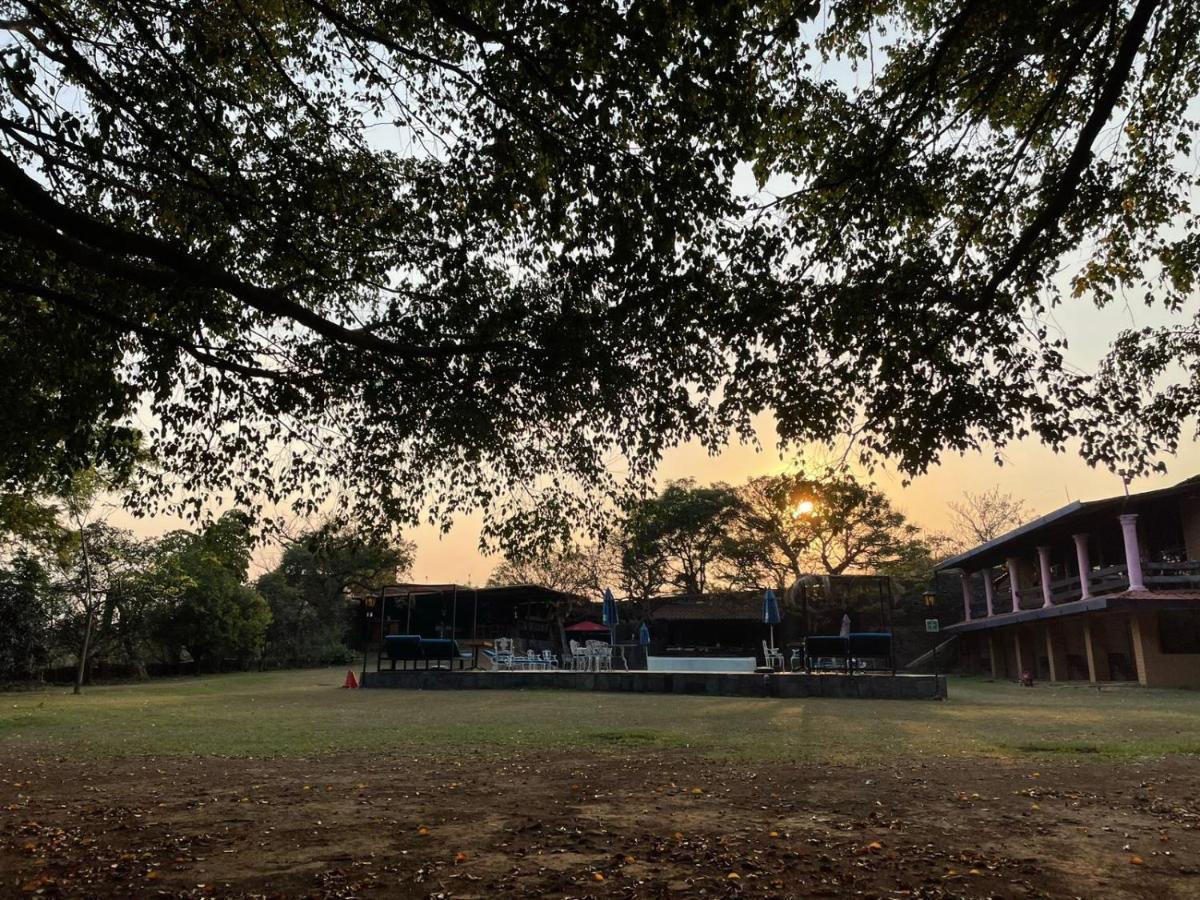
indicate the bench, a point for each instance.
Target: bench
{"x":443,"y":650}
{"x":871,"y":650}
{"x":826,"y":647}
{"x":403,"y":648}
{"x":862,"y":650}
{"x":406,"y":648}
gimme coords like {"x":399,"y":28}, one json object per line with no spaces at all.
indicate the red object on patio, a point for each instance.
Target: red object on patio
{"x":586,"y":626}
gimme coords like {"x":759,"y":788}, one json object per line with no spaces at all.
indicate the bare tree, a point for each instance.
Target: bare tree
{"x":578,"y":572}
{"x":80,"y":501}
{"x":982,"y":517}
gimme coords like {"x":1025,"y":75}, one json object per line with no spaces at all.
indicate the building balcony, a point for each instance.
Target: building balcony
{"x":1158,"y":576}
{"x":1138,"y":544}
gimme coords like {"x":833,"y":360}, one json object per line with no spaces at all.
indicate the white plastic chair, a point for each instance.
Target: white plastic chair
{"x":504,"y":655}
{"x":773,"y":657}
{"x":581,"y":658}
{"x":601,"y":655}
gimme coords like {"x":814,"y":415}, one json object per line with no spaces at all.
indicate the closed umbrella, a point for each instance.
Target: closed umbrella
{"x":771,"y":613}
{"x":609,"y":615}
{"x":644,"y":640}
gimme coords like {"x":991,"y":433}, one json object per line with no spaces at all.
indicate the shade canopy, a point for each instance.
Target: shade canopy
{"x":586,"y":626}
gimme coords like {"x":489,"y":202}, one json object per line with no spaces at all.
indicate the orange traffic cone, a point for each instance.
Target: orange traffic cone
{"x":351,"y":681}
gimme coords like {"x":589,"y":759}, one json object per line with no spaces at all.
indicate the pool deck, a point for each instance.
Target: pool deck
{"x":713,"y":684}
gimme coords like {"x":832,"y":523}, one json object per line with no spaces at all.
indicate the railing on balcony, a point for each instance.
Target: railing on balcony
{"x":1113,"y":579}
{"x":1109,"y":580}
{"x":1064,"y":590}
{"x":1031,"y":598}
{"x":1172,"y":575}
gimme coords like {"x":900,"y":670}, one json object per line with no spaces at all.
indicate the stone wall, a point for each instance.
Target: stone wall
{"x":716,"y":684}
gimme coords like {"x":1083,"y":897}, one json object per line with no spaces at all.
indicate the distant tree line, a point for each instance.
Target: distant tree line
{"x":78,"y":593}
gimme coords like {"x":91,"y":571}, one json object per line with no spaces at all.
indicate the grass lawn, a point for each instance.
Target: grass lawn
{"x":302,"y":713}
{"x":281,"y":784}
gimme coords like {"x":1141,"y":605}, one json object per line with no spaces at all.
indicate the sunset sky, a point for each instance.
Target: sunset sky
{"x":1043,"y":479}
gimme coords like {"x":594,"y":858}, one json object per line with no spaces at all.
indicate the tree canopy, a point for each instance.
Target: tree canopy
{"x":681,"y":534}
{"x":307,"y":592}
{"x":795,"y":524}
{"x":406,"y":258}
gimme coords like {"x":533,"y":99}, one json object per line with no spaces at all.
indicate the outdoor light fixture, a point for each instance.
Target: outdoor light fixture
{"x":369,"y":604}
{"x":931,"y":626}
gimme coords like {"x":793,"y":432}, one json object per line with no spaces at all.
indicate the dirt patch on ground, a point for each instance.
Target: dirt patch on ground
{"x":477,"y":824}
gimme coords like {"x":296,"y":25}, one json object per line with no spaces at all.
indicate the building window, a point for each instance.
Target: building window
{"x":1179,"y":630}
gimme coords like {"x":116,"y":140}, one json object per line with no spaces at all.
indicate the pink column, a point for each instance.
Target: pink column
{"x":965,"y":577}
{"x":989,"y":591}
{"x":1133,"y":555}
{"x":1085,"y":564}
{"x":1044,"y":568}
{"x":1014,"y":581}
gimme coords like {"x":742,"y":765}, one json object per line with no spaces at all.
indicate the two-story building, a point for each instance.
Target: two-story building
{"x":1099,"y":590}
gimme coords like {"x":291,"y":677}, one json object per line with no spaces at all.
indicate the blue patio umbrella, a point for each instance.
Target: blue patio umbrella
{"x":644,"y":635}
{"x":609,"y":615}
{"x":771,"y":613}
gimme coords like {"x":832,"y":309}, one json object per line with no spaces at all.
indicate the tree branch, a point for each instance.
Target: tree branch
{"x":1062,"y":190}
{"x":198,"y":353}
{"x":102,"y":236}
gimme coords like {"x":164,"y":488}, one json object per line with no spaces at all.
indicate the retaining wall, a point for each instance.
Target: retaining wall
{"x":714,"y":684}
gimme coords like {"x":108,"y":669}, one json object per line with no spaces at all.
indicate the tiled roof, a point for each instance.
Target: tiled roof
{"x":1160,"y":595}
{"x":1057,"y":519}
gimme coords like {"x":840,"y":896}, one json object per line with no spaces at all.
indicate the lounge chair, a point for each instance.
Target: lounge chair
{"x":826,"y":652}
{"x":501,"y":662}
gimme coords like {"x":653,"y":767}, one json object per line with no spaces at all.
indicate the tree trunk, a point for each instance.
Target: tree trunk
{"x":564,"y":648}
{"x":135,"y":657}
{"x":89,"y":605}
{"x":83,"y":653}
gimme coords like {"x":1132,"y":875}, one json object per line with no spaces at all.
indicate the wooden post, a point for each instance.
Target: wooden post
{"x":1095,"y":643}
{"x":996,"y":653}
{"x":1056,"y":651}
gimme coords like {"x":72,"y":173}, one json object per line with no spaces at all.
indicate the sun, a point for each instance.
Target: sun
{"x":803,"y":508}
